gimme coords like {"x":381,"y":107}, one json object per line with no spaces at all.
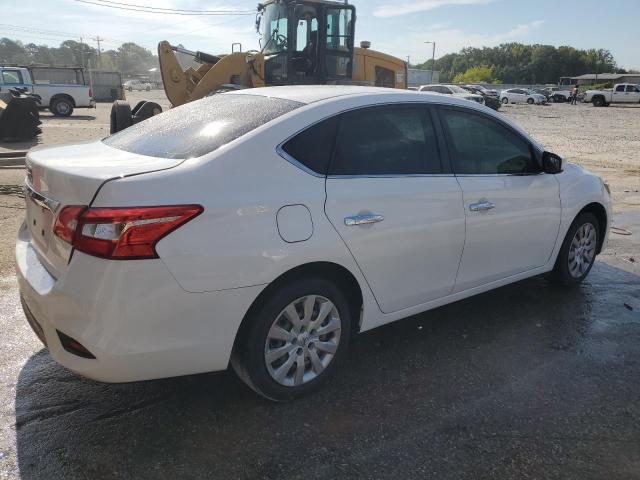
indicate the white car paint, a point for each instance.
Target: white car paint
{"x":264,"y":216}
{"x":521,"y":95}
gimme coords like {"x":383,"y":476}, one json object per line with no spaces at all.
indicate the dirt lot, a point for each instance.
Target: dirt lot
{"x":527,"y":381}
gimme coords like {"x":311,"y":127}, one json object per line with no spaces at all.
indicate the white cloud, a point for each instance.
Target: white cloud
{"x":421,"y":6}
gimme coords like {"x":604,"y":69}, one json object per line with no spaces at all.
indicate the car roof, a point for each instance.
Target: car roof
{"x":315,"y":93}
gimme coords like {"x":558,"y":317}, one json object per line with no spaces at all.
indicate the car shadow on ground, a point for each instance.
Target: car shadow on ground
{"x":530,"y":380}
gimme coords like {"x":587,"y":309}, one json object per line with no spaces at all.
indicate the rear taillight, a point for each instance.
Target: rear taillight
{"x":121,"y":233}
{"x":90,"y":93}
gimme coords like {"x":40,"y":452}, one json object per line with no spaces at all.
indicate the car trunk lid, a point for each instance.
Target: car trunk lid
{"x":72,"y":175}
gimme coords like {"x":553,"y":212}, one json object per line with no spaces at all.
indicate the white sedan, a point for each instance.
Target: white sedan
{"x":522,"y":95}
{"x":132,"y":85}
{"x":263,"y":228}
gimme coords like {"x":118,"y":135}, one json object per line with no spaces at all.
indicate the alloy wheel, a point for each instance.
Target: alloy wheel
{"x":582,"y":250}
{"x":303,"y":340}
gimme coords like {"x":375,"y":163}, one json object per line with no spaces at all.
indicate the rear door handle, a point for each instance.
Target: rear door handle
{"x":362,"y":220}
{"x":481,"y":206}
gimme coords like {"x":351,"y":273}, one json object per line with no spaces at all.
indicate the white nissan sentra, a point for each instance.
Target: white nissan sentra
{"x":263,"y":228}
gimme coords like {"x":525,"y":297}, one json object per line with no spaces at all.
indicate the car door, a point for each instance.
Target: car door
{"x":395,"y":204}
{"x":619,"y":94}
{"x":521,"y":95}
{"x":633,"y":93}
{"x":512,"y":208}
{"x":12,"y":78}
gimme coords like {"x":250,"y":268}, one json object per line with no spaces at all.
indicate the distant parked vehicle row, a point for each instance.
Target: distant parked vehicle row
{"x":621,"y":93}
{"x":452,"y":90}
{"x":522,"y":95}
{"x":61,"y":99}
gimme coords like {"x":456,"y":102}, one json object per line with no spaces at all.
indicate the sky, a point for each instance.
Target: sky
{"x":399,"y":28}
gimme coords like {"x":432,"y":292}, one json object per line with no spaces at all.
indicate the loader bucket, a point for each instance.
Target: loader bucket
{"x":19,"y":117}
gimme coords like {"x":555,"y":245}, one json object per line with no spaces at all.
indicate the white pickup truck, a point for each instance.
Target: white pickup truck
{"x":61,"y":99}
{"x":621,"y":93}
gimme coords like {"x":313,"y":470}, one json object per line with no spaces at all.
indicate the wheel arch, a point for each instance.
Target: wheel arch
{"x":600,"y":213}
{"x":334,"y":272}
{"x":65,"y":96}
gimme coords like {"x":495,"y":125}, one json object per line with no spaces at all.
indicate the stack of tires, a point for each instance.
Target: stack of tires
{"x":19,"y":116}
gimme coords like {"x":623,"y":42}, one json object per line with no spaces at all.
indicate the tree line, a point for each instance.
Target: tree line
{"x":521,"y":64}
{"x":129,"y":58}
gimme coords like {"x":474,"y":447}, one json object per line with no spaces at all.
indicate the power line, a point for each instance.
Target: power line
{"x":146,"y":7}
{"x":137,"y":8}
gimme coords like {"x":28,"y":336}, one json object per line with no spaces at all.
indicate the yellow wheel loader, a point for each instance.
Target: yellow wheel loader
{"x":303,"y":42}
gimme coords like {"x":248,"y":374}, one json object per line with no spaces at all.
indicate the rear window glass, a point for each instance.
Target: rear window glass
{"x":200,"y":127}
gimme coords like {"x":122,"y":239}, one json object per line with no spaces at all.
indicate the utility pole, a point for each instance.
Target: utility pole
{"x":433,"y":60}
{"x":98,"y":39}
{"x":81,"y":52}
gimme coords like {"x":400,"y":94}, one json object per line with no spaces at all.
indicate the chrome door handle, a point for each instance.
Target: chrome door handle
{"x":362,"y":220}
{"x":481,"y":206}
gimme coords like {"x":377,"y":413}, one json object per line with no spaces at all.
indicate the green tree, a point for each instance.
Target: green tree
{"x":482,"y":74}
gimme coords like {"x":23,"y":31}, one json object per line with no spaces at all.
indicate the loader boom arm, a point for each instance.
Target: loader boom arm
{"x":240,"y":69}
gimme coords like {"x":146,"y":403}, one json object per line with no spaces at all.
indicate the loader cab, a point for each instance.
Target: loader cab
{"x":306,"y":42}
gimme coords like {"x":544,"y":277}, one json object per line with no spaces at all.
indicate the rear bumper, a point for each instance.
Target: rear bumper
{"x":131,"y":315}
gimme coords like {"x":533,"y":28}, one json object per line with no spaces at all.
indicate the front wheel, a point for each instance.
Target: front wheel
{"x":295,"y":340}
{"x":530,"y":101}
{"x":578,"y":252}
{"x":505,"y":100}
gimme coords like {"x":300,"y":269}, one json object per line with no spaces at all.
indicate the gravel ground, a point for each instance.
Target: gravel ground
{"x":527,"y":381}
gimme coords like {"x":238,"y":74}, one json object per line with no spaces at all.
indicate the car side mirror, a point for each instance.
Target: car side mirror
{"x":552,"y":163}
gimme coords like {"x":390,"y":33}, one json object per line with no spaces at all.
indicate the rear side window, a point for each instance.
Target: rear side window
{"x":200,"y":127}
{"x":388,"y":140}
{"x":313,"y":146}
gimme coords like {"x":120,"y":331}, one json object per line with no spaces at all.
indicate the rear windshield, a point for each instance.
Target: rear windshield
{"x":200,"y":127}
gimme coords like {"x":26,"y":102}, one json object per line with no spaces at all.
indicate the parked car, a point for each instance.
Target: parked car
{"x":559,"y":95}
{"x":452,"y":90}
{"x":132,"y":85}
{"x":522,"y":95}
{"x":489,"y":100}
{"x":488,"y":92}
{"x":548,"y":94}
{"x":209,"y":235}
{"x":61,"y":99}
{"x":621,"y":93}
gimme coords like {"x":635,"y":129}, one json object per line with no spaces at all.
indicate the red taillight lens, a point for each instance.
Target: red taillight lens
{"x":67,"y":222}
{"x":124,"y":233}
{"x":90,"y":93}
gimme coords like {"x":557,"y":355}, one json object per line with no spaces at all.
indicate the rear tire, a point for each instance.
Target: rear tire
{"x":598,"y":102}
{"x":530,"y":101}
{"x":61,"y":107}
{"x":282,"y":359}
{"x":121,"y":116}
{"x":578,"y":252}
{"x":148,"y":88}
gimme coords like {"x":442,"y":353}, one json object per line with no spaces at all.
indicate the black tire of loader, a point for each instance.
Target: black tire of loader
{"x":121,"y":117}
